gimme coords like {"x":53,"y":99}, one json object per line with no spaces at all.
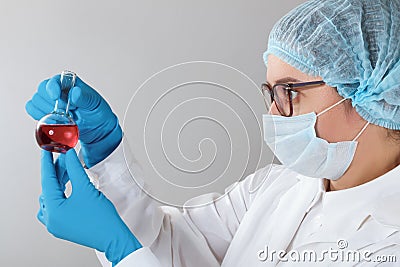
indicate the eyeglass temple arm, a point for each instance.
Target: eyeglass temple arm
{"x":294,"y":85}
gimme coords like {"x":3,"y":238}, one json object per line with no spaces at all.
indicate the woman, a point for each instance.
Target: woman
{"x":333,"y":76}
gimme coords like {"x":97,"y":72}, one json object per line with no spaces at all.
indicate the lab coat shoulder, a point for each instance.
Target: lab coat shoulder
{"x":238,"y":199}
{"x":207,"y":224}
{"x":387,"y":211}
{"x":241,"y":194}
{"x":200,"y":233}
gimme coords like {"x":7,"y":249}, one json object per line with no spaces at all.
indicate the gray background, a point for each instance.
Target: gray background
{"x":115,"y":46}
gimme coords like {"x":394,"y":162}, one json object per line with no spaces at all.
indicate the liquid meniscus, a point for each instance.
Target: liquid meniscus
{"x":57,"y":137}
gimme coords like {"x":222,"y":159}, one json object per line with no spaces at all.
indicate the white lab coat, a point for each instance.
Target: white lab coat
{"x":263,"y":212}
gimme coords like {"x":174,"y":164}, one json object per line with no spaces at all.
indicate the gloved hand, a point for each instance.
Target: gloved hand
{"x":87,"y":217}
{"x":99,"y":130}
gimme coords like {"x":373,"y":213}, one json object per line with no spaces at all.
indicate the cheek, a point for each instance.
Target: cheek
{"x":335,"y":127}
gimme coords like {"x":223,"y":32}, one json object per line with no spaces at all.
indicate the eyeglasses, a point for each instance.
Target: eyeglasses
{"x":282,"y":94}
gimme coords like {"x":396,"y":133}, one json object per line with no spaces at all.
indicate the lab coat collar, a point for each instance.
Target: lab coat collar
{"x":378,"y":198}
{"x":321,"y":189}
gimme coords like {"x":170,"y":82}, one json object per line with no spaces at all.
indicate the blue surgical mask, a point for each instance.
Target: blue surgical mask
{"x":297,"y":146}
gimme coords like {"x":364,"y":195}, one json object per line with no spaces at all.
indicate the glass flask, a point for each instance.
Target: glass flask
{"x":57,"y":131}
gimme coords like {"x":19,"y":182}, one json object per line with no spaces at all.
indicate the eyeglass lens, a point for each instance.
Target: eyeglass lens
{"x":282,"y":99}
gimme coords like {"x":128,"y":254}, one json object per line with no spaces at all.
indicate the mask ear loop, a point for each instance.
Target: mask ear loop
{"x":331,"y":107}
{"x":338,"y":103}
{"x":361,"y":132}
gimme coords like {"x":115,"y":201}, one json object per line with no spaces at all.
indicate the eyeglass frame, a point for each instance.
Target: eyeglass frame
{"x":289,"y":88}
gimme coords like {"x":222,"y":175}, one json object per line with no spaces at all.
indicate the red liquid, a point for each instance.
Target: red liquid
{"x":57,"y":137}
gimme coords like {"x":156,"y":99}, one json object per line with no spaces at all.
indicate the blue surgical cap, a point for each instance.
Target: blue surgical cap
{"x":354,"y":45}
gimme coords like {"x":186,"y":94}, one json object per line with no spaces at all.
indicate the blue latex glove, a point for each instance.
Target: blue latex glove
{"x":99,"y":130}
{"x":87,"y":217}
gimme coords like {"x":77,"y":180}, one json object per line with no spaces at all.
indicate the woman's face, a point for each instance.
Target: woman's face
{"x":341,"y":123}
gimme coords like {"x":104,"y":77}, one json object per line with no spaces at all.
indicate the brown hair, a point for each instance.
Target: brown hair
{"x":394,"y":135}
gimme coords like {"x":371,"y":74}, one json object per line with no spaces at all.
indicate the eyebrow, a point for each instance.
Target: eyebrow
{"x":287,"y":79}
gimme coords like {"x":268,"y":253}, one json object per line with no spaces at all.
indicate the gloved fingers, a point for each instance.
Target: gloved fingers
{"x":83,"y":96}
{"x":42,"y":89}
{"x":79,"y":179}
{"x":61,"y":171}
{"x":40,"y":215}
{"x":53,"y":87}
{"x":42,"y":103}
{"x":33,"y":111}
{"x":51,"y":188}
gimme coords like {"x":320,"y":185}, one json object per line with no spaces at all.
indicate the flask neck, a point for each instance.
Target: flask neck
{"x":67,"y":82}
{"x":61,"y":109}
